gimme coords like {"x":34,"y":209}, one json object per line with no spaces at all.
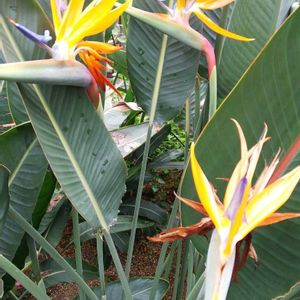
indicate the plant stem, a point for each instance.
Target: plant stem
{"x":209,"y":52}
{"x":118,"y":265}
{"x":198,"y":291}
{"x":163,"y":251}
{"x":197,"y":120}
{"x":183,"y":268}
{"x":169,"y":260}
{"x":78,"y":259}
{"x":212,"y":92}
{"x":34,"y":262}
{"x":177,"y":275}
{"x":189,"y":279}
{"x":51,"y":251}
{"x":221,"y":38}
{"x":146,"y":151}
{"x":187,"y":128}
{"x":12,"y":270}
{"x":100,"y":258}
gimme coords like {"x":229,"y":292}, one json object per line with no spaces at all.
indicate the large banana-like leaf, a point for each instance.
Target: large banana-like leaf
{"x":180,"y":67}
{"x":77,"y":145}
{"x":80,"y":150}
{"x":268,"y":93}
{"x":253,"y":18}
{"x":21,"y":153}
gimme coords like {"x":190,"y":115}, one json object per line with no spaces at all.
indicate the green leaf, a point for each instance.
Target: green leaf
{"x":24,"y":158}
{"x":56,"y":274}
{"x":120,"y":62}
{"x":140,"y":289}
{"x":121,"y":240}
{"x":55,"y":230}
{"x":252,"y":18}
{"x":123,"y":223}
{"x":44,"y":198}
{"x":81,"y":152}
{"x":4,"y":195}
{"x":131,"y":140}
{"x":56,"y":203}
{"x":115,"y":116}
{"x":180,"y":67}
{"x":5,"y":116}
{"x":16,"y":106}
{"x":148,"y":210}
{"x":268,"y":93}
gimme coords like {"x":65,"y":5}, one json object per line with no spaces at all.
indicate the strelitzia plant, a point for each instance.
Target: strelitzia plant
{"x":175,"y":22}
{"x":72,"y":24}
{"x":245,"y":207}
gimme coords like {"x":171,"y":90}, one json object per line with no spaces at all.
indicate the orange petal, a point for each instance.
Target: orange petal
{"x":278,"y":217}
{"x":103,"y":48}
{"x":193,"y":204}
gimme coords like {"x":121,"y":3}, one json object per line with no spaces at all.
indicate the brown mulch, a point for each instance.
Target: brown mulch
{"x":146,"y":253}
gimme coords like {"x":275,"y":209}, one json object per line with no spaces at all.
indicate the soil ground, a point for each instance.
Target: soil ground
{"x":146,"y":253}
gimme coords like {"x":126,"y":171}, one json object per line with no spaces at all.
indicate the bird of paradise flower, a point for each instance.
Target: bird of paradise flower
{"x":244,"y":208}
{"x":175,"y":22}
{"x":72,"y":23}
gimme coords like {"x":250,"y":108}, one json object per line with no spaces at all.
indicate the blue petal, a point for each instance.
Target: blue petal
{"x":37,"y":38}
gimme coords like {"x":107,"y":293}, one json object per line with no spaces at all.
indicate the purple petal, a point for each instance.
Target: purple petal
{"x":236,"y":201}
{"x":37,"y":38}
{"x":62,"y":6}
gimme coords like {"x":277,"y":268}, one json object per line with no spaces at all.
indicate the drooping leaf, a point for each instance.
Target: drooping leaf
{"x":268,"y":93}
{"x":81,"y":153}
{"x":180,"y":66}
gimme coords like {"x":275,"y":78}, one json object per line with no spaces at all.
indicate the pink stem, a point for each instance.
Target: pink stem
{"x":209,"y":52}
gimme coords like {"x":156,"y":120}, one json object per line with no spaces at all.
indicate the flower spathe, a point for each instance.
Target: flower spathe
{"x":245,"y":206}
{"x":184,"y":8}
{"x":73,"y":23}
